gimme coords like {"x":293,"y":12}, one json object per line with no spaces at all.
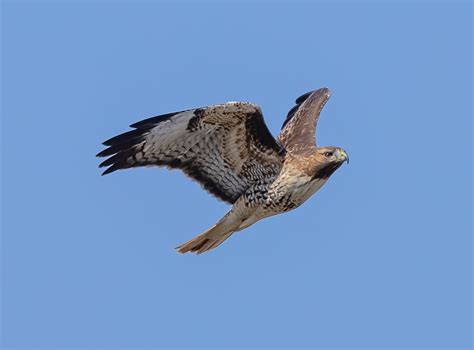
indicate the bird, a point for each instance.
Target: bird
{"x":228,"y":149}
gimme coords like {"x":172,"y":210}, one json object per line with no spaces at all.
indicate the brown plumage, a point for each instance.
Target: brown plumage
{"x":229,"y":150}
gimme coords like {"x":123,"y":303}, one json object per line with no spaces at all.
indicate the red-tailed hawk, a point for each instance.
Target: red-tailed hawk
{"x":229,"y":150}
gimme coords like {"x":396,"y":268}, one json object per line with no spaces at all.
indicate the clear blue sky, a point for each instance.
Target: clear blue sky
{"x":380,"y":257}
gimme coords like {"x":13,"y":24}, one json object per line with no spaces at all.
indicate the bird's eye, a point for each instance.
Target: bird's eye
{"x":328,"y":154}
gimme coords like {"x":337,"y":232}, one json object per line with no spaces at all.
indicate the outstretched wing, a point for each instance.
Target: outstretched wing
{"x":298,"y":134}
{"x":226,"y":147}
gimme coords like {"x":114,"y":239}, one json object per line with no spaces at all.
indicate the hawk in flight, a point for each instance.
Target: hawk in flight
{"x":229,"y":150}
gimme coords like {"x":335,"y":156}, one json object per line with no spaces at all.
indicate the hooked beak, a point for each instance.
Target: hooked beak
{"x":342,"y":156}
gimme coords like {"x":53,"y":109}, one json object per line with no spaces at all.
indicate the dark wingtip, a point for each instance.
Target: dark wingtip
{"x":102,"y":153}
{"x":126,"y":137}
{"x":122,"y":146}
{"x":153,"y":120}
{"x":105,"y":172}
{"x":302,"y":98}
{"x":111,"y":160}
{"x":111,"y":169}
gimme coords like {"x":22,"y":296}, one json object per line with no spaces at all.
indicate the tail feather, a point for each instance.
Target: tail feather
{"x":206,"y":241}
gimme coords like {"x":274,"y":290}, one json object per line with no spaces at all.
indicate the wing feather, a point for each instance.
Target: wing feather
{"x":298,"y":134}
{"x":226,"y":148}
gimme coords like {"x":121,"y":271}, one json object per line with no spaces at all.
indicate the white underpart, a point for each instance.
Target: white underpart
{"x":303,"y":190}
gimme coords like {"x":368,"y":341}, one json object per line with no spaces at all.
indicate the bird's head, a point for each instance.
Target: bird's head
{"x":332,"y":154}
{"x":328,"y":159}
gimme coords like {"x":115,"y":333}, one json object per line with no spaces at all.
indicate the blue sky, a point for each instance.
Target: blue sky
{"x":380,"y":257}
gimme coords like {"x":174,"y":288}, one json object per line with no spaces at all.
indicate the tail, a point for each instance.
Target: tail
{"x":206,"y":241}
